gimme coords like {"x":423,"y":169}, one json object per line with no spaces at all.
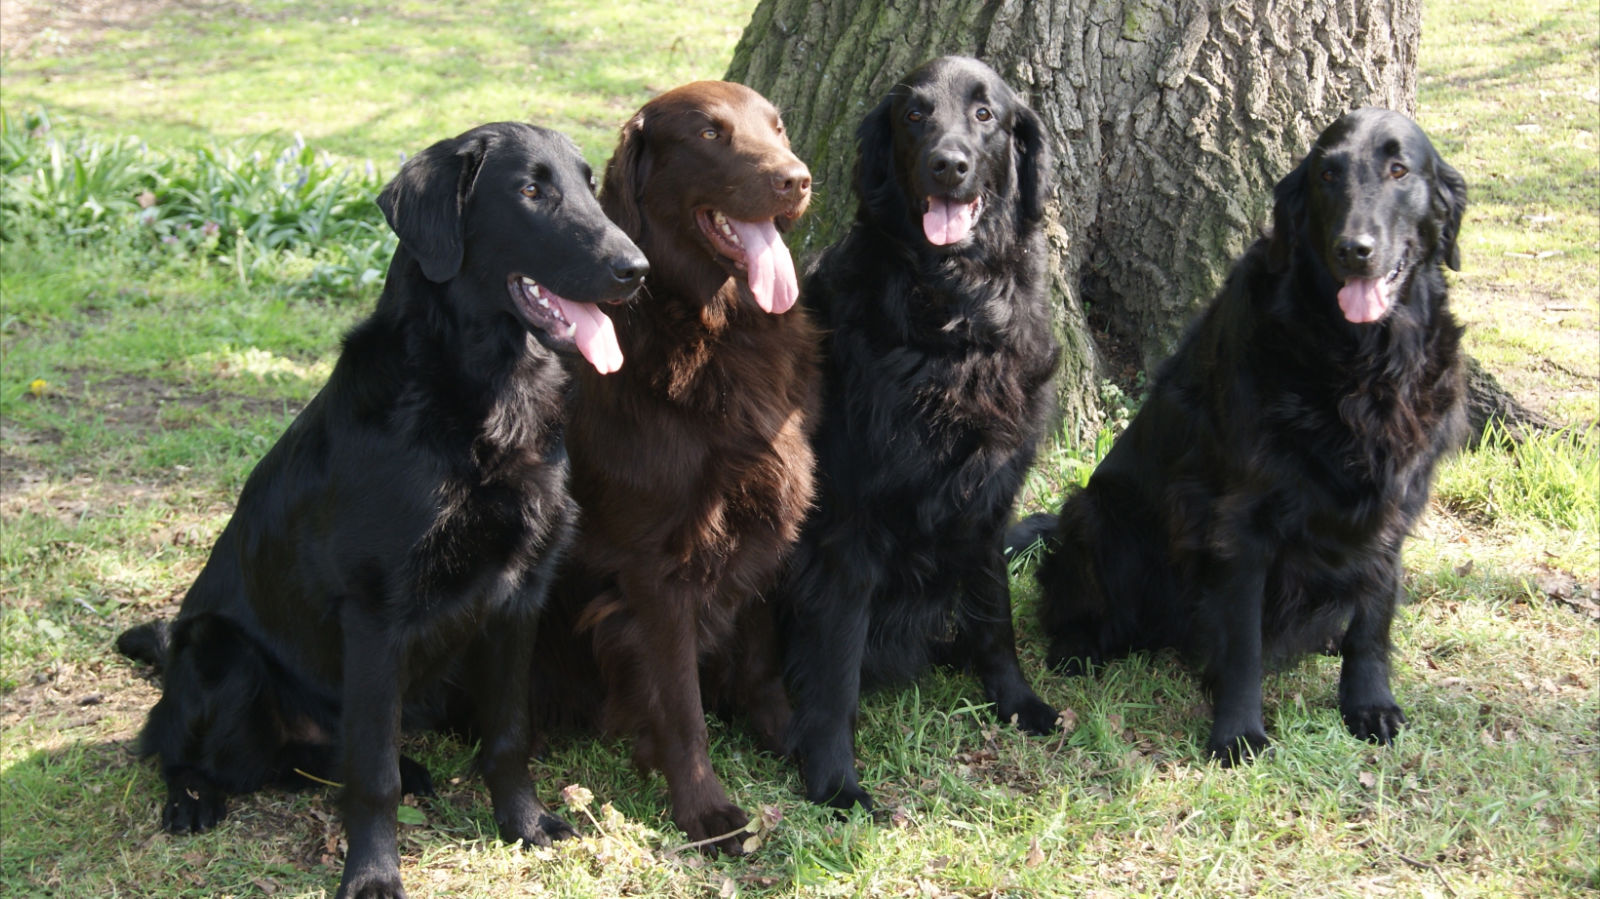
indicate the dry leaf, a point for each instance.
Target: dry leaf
{"x":1035,"y":856}
{"x":1068,"y":719}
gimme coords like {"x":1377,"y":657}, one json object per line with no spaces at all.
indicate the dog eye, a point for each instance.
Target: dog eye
{"x":1398,"y":170}
{"x":710,"y":134}
{"x":913,"y":116}
{"x":531,"y":191}
{"x":983,"y":114}
{"x":1327,"y":175}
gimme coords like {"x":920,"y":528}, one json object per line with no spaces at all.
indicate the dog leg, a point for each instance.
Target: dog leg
{"x":1365,"y":701}
{"x":1234,"y":672}
{"x":371,"y":722}
{"x":823,"y":649}
{"x":499,"y":664}
{"x":218,"y":722}
{"x":987,"y":642}
{"x":677,"y":738}
{"x":758,"y":681}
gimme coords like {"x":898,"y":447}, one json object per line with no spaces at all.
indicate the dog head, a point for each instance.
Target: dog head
{"x":506,"y":214}
{"x":947,"y":145}
{"x":708,"y":165}
{"x":1371,"y":203}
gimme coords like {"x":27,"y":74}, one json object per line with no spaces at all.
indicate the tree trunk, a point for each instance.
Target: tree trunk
{"x":1170,"y":123}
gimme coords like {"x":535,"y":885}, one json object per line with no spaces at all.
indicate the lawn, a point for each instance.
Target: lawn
{"x":146,"y":368}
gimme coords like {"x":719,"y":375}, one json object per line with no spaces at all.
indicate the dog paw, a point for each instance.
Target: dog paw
{"x":843,"y":798}
{"x":1238,"y":749}
{"x":1034,"y":716}
{"x":725,"y":821}
{"x":547,"y":830}
{"x":1377,"y":723}
{"x":193,"y":806}
{"x":371,"y":885}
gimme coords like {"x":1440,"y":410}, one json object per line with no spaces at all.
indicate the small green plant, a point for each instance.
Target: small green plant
{"x":238,"y":209}
{"x":1549,"y":477}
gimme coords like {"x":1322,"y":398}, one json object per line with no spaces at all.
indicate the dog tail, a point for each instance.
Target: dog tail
{"x":1024,"y":534}
{"x":146,"y":643}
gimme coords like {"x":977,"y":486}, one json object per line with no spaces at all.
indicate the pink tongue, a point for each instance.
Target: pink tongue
{"x":946,"y":222}
{"x":768,"y":266}
{"x":1364,"y":299}
{"x":595,"y":337}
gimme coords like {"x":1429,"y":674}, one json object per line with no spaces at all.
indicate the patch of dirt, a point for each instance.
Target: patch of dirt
{"x":104,"y":697}
{"x":1553,"y":382}
{"x":131,"y":403}
{"x":135,"y":401}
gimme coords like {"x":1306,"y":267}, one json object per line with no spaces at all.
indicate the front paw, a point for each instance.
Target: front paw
{"x":831,"y":781}
{"x":719,"y":828}
{"x":371,"y":885}
{"x":1376,"y":723}
{"x":1033,"y":716}
{"x":544,"y":831}
{"x":193,"y":805}
{"x":1231,"y":750}
{"x":843,"y":797}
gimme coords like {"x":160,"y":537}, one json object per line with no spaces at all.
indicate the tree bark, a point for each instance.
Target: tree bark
{"x":1170,"y":124}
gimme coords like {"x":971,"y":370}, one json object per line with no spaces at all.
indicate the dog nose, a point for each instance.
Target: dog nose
{"x":1354,"y":250}
{"x":949,"y":167}
{"x":795,"y":179}
{"x":630,"y":270}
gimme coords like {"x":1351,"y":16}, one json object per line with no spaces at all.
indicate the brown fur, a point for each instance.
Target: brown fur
{"x":692,"y":464}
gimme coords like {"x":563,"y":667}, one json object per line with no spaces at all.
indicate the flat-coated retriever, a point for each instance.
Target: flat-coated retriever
{"x":938,"y":364}
{"x":388,"y":554}
{"x":691,"y":465}
{"x":1255,"y":507}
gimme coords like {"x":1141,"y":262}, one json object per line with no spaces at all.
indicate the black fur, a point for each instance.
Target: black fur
{"x":937,"y":387}
{"x":388,"y":554}
{"x":1255,"y":508}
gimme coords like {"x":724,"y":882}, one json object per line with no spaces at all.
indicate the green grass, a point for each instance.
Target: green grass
{"x":141,"y":378}
{"x":366,"y":82}
{"x":1508,"y":93}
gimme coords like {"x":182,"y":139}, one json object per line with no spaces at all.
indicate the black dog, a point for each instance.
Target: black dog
{"x":1255,"y":508}
{"x":937,"y":377}
{"x":388,"y":554}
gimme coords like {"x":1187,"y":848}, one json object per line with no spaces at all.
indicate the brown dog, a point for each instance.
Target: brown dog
{"x":692,"y":464}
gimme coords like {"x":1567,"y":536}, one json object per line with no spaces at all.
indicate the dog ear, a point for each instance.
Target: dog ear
{"x":425,"y":201}
{"x":1288,"y":214}
{"x":1033,"y":163}
{"x":626,"y":173}
{"x":1449,"y":204}
{"x":875,"y":140}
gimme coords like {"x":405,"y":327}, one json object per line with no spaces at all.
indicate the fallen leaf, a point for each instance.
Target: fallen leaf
{"x":576,"y":797}
{"x":410,"y":814}
{"x":1035,"y":856}
{"x":1367,"y":779}
{"x":1068,"y":719}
